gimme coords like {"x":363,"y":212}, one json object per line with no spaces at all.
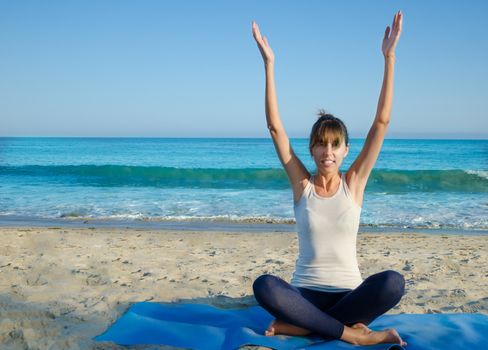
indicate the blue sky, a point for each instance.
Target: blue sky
{"x":192,"y":68}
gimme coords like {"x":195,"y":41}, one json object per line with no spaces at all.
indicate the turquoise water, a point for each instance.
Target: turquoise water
{"x":415,"y":183}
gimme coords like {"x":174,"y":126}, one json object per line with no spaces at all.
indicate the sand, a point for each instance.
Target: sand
{"x":60,"y":287}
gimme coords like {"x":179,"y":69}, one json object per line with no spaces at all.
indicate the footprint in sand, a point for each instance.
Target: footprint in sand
{"x":408,"y":266}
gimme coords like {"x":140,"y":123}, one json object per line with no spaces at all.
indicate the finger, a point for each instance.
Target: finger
{"x":395,"y":22}
{"x":255,"y":30}
{"x":387,"y":31}
{"x":398,"y":28}
{"x":400,"y":21}
{"x":265,"y":41}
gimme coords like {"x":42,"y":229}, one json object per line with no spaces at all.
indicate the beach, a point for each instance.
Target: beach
{"x":90,"y":226}
{"x":61,"y":286}
{"x":113,"y":192}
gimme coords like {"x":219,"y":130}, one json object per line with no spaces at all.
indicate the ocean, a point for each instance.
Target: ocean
{"x":416,"y":184}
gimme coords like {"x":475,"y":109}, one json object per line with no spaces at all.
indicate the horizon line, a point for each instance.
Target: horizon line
{"x":396,"y":137}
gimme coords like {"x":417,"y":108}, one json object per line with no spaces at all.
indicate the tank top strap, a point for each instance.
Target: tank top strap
{"x":345,"y":186}
{"x":308,"y":189}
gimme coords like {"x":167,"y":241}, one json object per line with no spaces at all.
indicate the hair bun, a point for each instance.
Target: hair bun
{"x":322,"y":113}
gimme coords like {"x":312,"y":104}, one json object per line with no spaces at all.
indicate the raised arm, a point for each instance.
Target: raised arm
{"x":360,"y":169}
{"x":296,"y":171}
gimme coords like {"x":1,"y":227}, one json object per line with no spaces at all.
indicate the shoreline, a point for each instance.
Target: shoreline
{"x":62,"y":287}
{"x":244,"y":226}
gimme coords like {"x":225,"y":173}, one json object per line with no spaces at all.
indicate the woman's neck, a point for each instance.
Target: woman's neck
{"x":327,"y":181}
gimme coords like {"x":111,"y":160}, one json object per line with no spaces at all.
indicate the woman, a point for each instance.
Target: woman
{"x":327,"y":295}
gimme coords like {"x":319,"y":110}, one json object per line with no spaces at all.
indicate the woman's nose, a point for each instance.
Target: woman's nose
{"x":328,"y":149}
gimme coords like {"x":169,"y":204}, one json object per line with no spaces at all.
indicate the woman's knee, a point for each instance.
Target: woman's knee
{"x":263,"y":285}
{"x":393,"y":284}
{"x":387,"y":284}
{"x":274,"y":294}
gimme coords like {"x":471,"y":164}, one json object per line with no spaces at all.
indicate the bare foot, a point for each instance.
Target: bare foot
{"x":360,"y":334}
{"x":280,"y":327}
{"x":361,"y":325}
{"x":389,"y":335}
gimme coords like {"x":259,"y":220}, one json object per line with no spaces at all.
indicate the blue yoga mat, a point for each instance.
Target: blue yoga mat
{"x":200,"y":326}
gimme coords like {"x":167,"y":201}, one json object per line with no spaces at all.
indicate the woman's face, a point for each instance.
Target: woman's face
{"x":329,"y":156}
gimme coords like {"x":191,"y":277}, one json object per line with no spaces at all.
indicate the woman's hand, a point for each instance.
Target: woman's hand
{"x":390,"y":41}
{"x":266,"y":52}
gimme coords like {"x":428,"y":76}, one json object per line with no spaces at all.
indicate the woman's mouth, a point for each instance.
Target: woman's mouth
{"x":327,"y":162}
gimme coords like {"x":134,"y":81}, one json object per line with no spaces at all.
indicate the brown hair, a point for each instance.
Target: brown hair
{"x":326,"y":129}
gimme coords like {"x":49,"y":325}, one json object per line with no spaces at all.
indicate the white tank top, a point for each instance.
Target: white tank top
{"x":327,"y":231}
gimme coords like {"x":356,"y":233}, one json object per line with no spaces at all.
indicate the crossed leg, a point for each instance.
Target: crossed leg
{"x":301,"y":311}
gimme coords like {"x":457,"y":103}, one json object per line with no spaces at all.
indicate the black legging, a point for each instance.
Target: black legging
{"x":326,"y":313}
